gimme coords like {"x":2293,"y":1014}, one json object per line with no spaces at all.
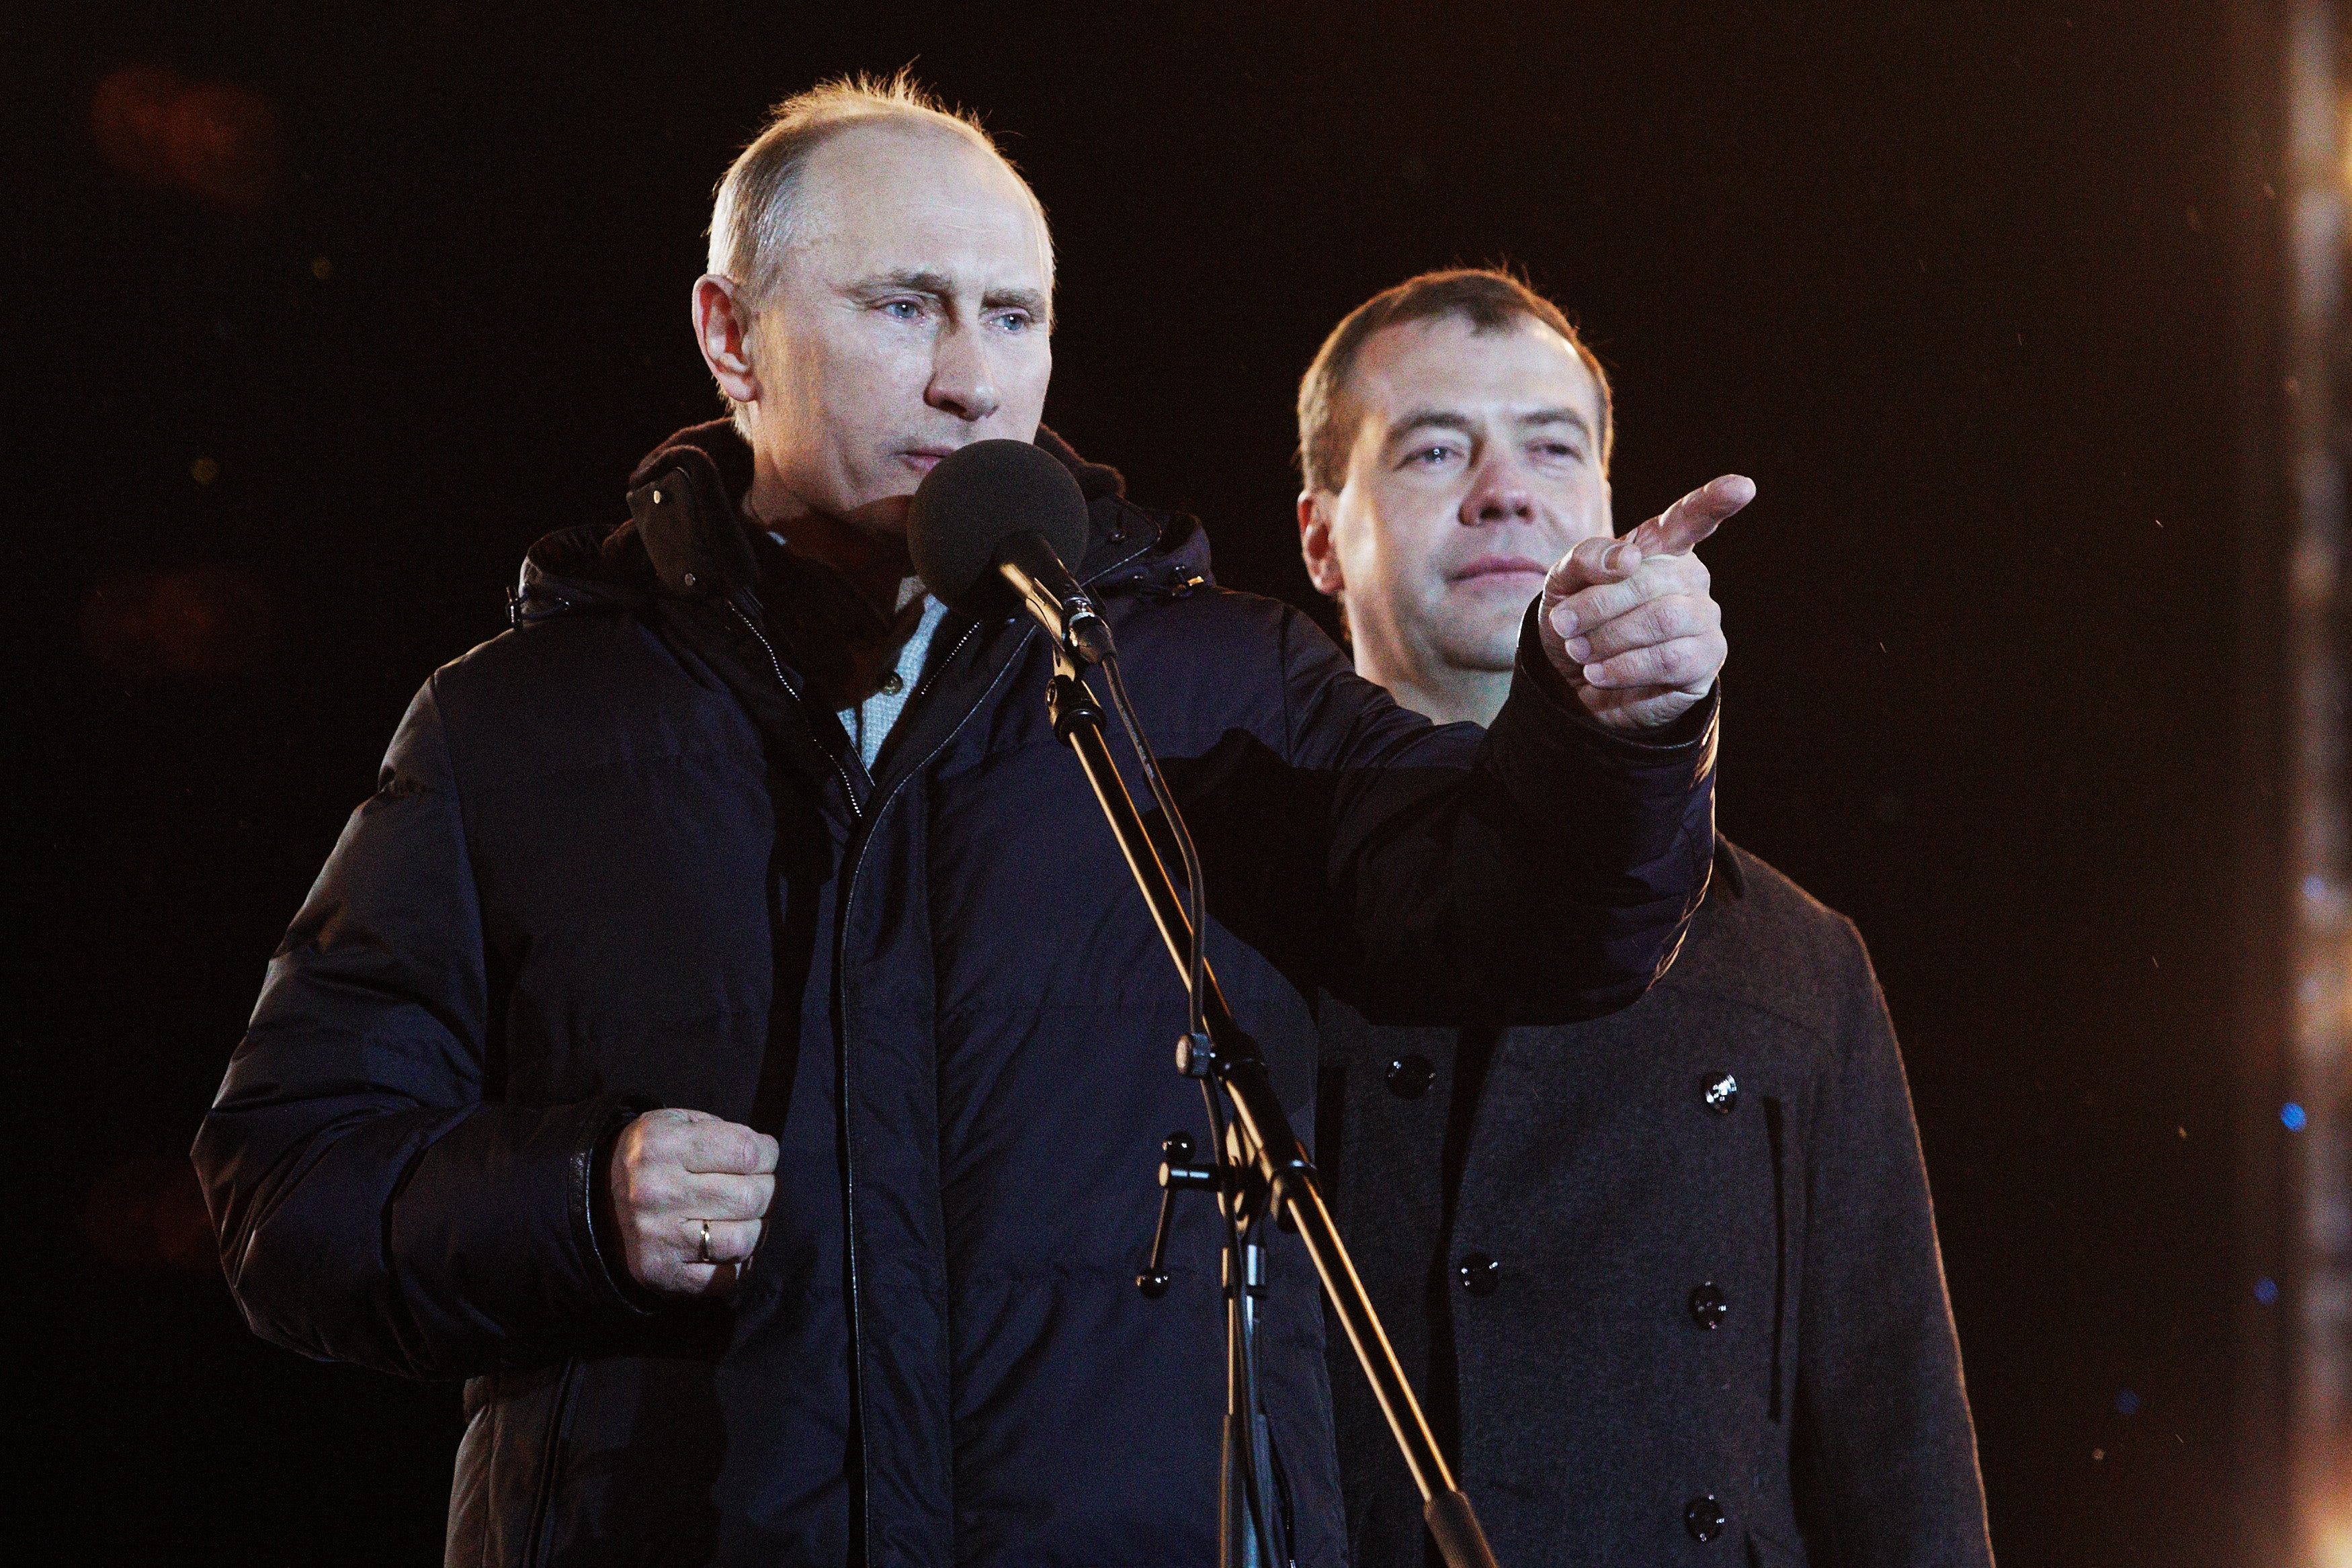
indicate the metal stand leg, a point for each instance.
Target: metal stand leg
{"x":1275,"y":1162}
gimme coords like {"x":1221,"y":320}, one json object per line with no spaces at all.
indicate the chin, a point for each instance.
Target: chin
{"x":882,"y":515}
{"x":1488,"y":640}
{"x":1493,"y":656}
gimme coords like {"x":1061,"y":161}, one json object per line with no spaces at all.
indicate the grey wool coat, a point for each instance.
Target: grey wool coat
{"x":1668,"y":1279}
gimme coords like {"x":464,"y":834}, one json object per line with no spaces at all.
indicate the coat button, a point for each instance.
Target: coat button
{"x":1720,"y":1093}
{"x":1704,"y":1518}
{"x":1479,"y":1274}
{"x":892,"y":684}
{"x":1708,"y":1305}
{"x":1410,"y":1076}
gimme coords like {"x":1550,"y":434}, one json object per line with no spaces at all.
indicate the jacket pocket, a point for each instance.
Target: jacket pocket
{"x":551,"y":1466}
{"x":1764,"y":1552}
{"x":1777,"y":1135}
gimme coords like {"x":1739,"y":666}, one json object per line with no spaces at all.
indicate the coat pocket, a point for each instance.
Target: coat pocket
{"x":1765,"y":1552}
{"x":551,"y":1463}
{"x":1776,"y":1135}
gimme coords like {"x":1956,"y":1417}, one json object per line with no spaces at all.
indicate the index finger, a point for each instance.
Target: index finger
{"x":729,"y":1148}
{"x":1683,"y":525}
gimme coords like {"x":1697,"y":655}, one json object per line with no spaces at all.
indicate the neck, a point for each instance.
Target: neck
{"x":875,"y":563}
{"x":1442,"y":697}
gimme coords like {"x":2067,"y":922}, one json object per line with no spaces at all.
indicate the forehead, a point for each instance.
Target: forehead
{"x":1445,"y":362}
{"x":908,"y":194}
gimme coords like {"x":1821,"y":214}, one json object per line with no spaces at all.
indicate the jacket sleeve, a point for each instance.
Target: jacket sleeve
{"x":375,"y":1202}
{"x":1542,"y":870}
{"x":1884,"y":1452}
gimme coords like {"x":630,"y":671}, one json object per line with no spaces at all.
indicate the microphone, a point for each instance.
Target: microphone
{"x":989,"y":529}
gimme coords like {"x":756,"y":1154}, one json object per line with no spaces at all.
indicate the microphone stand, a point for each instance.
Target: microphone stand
{"x":1274,"y":1179}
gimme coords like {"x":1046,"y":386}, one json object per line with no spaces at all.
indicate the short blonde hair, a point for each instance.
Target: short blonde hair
{"x":756,"y":203}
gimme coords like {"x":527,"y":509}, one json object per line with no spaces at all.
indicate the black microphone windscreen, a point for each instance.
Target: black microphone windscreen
{"x":967,"y":504}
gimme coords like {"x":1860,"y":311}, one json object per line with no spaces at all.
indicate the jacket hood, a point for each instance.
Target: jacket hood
{"x":684,"y":538}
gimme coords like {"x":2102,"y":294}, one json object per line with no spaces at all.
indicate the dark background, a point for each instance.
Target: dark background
{"x":1953,"y":282}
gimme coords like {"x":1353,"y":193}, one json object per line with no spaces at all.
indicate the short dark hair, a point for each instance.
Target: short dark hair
{"x":1491,"y":300}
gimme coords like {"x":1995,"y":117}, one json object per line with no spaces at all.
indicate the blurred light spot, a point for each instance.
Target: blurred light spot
{"x":204,"y":470}
{"x":2266,"y":1290}
{"x":203,"y":621}
{"x":321,"y":268}
{"x":2126,"y":1403}
{"x":225,"y":145}
{"x":148,"y":1213}
{"x":2099,"y":1453}
{"x":2291,"y":1117}
{"x":2327,"y":900}
{"x":211,"y":140}
{"x":128,"y":114}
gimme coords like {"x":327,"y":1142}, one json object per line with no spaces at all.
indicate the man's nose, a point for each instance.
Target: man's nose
{"x":962,"y":381}
{"x":1498,"y":494}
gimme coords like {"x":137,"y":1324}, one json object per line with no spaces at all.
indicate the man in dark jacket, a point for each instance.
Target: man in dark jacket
{"x":1670,"y":1276}
{"x":729,"y":1038}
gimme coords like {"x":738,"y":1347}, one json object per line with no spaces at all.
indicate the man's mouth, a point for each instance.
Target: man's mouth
{"x":923,"y":459}
{"x":1500,"y":569}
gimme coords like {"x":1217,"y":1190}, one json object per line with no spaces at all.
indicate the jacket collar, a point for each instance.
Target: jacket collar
{"x":685,"y":536}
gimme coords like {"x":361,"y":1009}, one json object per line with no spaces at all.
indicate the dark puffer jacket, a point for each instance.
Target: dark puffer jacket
{"x":614,"y":862}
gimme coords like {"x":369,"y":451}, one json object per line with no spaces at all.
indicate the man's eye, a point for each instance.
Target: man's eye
{"x":1561,"y":450}
{"x":1015,"y":322}
{"x":903,"y":310}
{"x":1431,"y":457}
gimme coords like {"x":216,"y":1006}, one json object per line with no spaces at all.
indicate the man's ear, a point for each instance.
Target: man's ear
{"x":723,"y":331}
{"x":1314,"y":545}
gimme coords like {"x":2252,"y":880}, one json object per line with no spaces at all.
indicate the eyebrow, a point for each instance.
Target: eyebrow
{"x":1461,"y":424}
{"x":1430,"y":419}
{"x":1558,"y":417}
{"x":942,"y":288}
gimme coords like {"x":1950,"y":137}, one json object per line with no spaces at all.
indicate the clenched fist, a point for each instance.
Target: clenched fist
{"x":1631,"y":624}
{"x":689,"y":1191}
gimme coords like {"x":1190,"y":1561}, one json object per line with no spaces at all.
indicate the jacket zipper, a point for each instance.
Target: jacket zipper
{"x":841,"y":994}
{"x":968,"y":632}
{"x":542,"y":1506}
{"x":848,"y":789}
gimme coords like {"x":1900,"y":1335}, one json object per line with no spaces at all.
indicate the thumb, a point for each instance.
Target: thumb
{"x":1597,"y":559}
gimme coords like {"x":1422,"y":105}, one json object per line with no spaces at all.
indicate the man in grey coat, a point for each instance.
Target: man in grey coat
{"x":1670,"y":1278}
